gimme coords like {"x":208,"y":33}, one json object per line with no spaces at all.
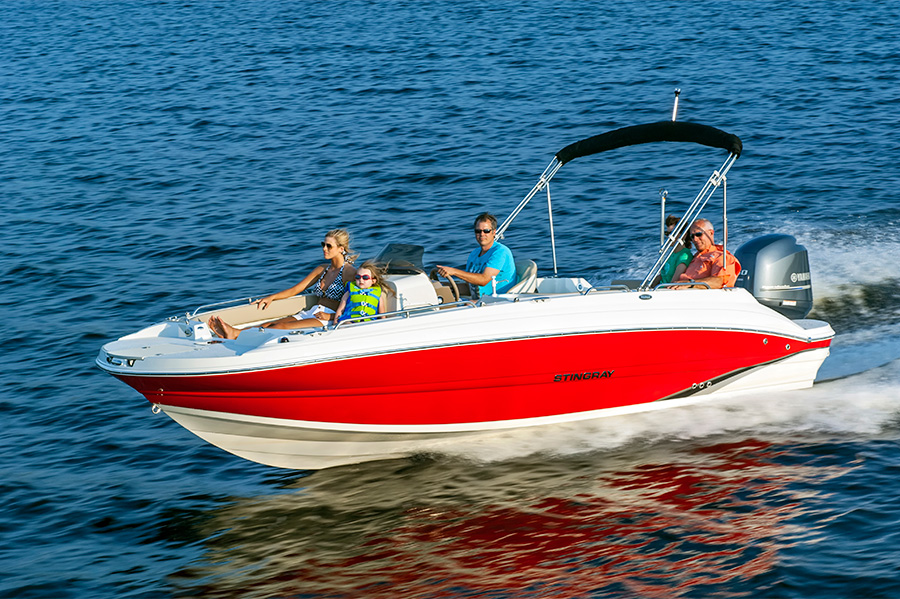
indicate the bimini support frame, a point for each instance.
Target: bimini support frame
{"x":716,"y":179}
{"x":552,"y":236}
{"x":663,"y":194}
{"x":639,"y":134}
{"x":543,"y":182}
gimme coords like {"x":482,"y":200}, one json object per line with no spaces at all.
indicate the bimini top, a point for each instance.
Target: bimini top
{"x":649,"y":133}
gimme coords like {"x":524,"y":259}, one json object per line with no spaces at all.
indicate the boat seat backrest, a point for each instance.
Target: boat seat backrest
{"x":390,"y":299}
{"x":526,"y":277}
{"x":250,"y":314}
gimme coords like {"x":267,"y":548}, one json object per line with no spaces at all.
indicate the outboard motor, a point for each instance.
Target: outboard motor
{"x":776,"y":271}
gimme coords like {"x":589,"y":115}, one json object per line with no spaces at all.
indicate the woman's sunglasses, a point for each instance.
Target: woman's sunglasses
{"x":327,"y":246}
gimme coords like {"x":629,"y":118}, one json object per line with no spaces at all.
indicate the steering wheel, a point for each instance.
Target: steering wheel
{"x":454,"y":289}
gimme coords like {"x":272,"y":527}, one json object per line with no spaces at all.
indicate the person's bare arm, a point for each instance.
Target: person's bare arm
{"x":679,"y":270}
{"x":341,"y":306}
{"x":263,"y":303}
{"x":473,"y":278}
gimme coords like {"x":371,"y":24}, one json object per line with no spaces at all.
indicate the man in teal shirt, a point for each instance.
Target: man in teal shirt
{"x":490,"y":260}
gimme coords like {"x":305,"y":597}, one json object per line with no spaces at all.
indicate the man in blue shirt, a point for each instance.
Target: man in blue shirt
{"x":490,"y":260}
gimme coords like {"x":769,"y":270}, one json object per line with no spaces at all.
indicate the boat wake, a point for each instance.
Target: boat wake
{"x":857,"y":291}
{"x":866,"y":404}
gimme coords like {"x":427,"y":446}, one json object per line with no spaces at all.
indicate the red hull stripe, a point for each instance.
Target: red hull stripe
{"x":496,"y":381}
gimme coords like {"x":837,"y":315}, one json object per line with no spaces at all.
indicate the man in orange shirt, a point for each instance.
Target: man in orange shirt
{"x":710,"y":264}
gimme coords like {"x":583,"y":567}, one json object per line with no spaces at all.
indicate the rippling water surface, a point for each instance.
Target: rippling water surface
{"x":159,"y":155}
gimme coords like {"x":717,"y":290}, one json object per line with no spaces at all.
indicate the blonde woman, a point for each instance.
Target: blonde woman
{"x":328,"y":282}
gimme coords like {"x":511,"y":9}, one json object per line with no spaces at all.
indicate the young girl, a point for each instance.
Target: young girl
{"x":365,"y":296}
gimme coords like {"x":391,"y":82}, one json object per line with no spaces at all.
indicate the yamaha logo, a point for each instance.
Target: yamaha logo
{"x":796,"y":277}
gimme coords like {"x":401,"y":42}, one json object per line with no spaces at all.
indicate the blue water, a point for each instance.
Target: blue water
{"x":160,"y":155}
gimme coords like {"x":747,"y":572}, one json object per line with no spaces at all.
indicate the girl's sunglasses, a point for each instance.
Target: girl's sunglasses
{"x":364,"y":277}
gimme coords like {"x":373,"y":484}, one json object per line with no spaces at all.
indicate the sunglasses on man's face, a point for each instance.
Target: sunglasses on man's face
{"x":483,"y":231}
{"x":698,"y":234}
{"x":364,"y":277}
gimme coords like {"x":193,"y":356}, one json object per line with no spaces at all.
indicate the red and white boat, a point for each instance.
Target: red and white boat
{"x":440,"y":368}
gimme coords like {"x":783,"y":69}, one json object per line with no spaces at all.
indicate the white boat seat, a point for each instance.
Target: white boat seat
{"x":390,"y":299}
{"x":526,"y":277}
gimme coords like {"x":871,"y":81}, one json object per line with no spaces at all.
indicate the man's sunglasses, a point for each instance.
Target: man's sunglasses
{"x":485,"y":231}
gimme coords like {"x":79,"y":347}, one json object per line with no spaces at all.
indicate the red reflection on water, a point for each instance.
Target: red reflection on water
{"x":680,"y":526}
{"x":654,"y":529}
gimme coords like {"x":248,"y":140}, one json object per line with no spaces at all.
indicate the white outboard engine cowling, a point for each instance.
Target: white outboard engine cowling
{"x":775,"y":269}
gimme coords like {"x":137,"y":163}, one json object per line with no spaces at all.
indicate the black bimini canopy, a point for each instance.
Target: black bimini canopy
{"x":649,"y":133}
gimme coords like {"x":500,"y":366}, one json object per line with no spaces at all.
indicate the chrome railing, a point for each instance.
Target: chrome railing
{"x":407,"y":312}
{"x":245,"y":300}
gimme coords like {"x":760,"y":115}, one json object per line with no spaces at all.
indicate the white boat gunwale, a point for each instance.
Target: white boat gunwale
{"x":104,"y":362}
{"x":805,"y":331}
